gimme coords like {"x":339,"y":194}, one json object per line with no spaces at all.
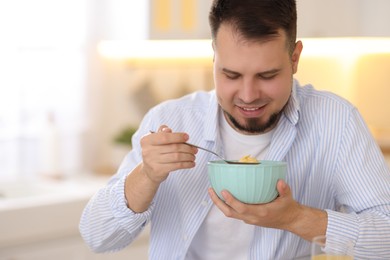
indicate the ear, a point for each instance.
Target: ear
{"x":296,"y":55}
{"x":213,"y":45}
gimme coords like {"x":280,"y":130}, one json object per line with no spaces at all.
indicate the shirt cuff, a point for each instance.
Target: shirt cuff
{"x":342,"y":225}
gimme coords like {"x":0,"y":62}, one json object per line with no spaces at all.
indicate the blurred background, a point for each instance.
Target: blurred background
{"x":77,"y":76}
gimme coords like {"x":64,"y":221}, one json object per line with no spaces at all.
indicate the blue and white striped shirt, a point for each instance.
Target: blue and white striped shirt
{"x":333,"y":164}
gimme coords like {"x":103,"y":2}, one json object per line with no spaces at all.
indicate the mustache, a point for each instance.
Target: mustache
{"x":254,"y":103}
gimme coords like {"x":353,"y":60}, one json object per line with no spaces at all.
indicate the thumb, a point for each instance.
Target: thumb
{"x":164,"y":128}
{"x":282,"y":188}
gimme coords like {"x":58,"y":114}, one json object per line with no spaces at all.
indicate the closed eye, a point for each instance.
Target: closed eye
{"x":267,"y":77}
{"x":230,"y":74}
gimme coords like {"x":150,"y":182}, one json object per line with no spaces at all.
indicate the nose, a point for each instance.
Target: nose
{"x":249,"y":91}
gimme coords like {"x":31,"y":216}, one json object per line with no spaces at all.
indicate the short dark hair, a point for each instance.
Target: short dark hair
{"x":256,"y":19}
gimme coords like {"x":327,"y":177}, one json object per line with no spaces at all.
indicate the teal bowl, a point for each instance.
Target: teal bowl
{"x":249,"y":183}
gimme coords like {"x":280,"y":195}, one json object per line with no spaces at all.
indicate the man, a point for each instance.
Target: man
{"x":337,"y":182}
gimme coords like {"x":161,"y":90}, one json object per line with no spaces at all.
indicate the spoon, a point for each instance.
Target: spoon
{"x":219,"y":156}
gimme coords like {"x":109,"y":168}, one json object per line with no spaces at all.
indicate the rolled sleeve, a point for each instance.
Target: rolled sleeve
{"x":126,"y":217}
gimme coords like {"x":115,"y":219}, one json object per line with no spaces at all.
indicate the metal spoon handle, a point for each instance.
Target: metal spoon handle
{"x":207,"y":150}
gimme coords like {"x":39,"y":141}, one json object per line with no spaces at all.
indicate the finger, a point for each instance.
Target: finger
{"x":170,"y":167}
{"x":179,"y":148}
{"x":228,"y":197}
{"x":234,"y":203}
{"x":226,"y":210}
{"x":214,"y":197}
{"x":182,"y":165}
{"x":173,"y":157}
{"x":166,"y":136}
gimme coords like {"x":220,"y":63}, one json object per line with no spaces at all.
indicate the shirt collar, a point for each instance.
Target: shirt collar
{"x":211,"y":121}
{"x":292,"y":108}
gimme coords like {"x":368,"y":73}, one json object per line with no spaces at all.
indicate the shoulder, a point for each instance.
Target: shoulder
{"x":320,"y":101}
{"x":309,"y":93}
{"x":324,"y":111}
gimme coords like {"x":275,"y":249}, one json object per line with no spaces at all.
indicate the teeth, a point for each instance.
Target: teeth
{"x":250,"y":109}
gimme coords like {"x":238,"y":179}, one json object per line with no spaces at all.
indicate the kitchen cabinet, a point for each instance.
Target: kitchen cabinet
{"x":188,"y":19}
{"x":179,"y":19}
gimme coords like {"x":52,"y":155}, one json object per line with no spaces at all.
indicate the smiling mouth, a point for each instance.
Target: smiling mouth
{"x":252,"y":111}
{"x":252,"y":108}
{"x":249,"y":109}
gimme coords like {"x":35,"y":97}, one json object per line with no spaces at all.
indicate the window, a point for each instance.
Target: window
{"x":42,"y":73}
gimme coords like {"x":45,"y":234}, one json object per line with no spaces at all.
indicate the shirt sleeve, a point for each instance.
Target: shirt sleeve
{"x":362,"y":185}
{"x":107,"y":224}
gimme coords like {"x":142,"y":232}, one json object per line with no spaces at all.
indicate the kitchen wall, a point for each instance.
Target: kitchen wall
{"x":333,"y":18}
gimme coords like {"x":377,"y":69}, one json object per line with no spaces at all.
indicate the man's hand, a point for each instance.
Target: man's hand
{"x":282,"y":213}
{"x":164,"y":152}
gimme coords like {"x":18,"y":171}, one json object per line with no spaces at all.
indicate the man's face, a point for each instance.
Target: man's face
{"x":253,"y":79}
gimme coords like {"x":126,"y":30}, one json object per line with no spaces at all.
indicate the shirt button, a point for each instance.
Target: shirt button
{"x":204,"y":203}
{"x":185,"y":237}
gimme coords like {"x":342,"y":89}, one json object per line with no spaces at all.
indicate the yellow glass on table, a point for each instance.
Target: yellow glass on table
{"x":336,"y":248}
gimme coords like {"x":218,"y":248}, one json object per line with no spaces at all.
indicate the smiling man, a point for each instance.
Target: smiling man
{"x":337,"y":182}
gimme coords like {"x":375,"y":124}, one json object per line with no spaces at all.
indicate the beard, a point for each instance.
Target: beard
{"x":252,"y":125}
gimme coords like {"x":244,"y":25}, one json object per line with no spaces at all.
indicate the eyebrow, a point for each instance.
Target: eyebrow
{"x":263,"y":73}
